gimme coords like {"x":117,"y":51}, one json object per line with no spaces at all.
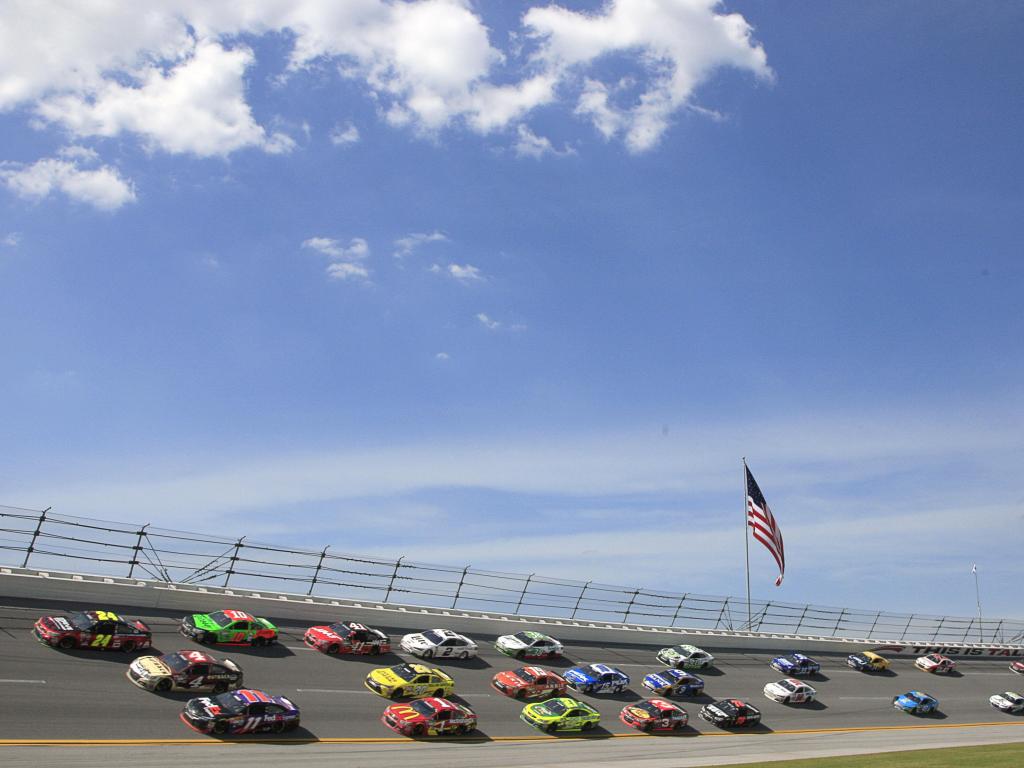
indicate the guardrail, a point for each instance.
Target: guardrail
{"x":50,"y":541}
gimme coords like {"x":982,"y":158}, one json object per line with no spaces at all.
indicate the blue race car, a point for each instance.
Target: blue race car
{"x":916,"y":702}
{"x":674,"y":682}
{"x":795,"y":665}
{"x":596,"y":678}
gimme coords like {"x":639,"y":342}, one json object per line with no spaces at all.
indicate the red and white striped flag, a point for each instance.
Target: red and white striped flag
{"x":763,"y":526}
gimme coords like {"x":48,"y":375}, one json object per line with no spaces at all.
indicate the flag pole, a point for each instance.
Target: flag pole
{"x":746,"y":540}
{"x":977,"y":594}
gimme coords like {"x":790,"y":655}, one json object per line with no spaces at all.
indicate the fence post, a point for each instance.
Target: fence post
{"x":800,"y":623}
{"x":136,"y":549}
{"x":725,"y":607}
{"x":873,"y":623}
{"x":838,"y":622}
{"x":580,"y":598}
{"x":234,"y":559}
{"x":678,"y":609}
{"x":32,"y":544}
{"x":319,"y":565}
{"x":462,"y":580}
{"x":998,"y":630}
{"x":761,"y":618}
{"x":938,"y":629}
{"x":521,"y":596}
{"x":394,"y":575}
{"x":629,"y":606}
{"x":907,"y":628}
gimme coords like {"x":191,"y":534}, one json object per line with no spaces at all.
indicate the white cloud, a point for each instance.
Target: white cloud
{"x":344,"y":270}
{"x":102,"y":188}
{"x":442,"y":356}
{"x":196,"y":107}
{"x":344,"y":258}
{"x":529,"y":144}
{"x":676,"y":44}
{"x":12,"y":239}
{"x":172,"y":72}
{"x":404,"y":246}
{"x":487,"y":322}
{"x":357,"y":248}
{"x":465,"y":273}
{"x":343,"y":135}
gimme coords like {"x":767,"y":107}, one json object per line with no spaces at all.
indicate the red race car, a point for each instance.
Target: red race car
{"x":1018,"y":667}
{"x":529,"y":683}
{"x":103,"y":630}
{"x":347,"y":637}
{"x":935,"y":662}
{"x":654,"y":715}
{"x":429,"y":717}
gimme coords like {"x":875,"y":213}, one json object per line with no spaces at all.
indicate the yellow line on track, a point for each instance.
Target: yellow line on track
{"x":397,"y":740}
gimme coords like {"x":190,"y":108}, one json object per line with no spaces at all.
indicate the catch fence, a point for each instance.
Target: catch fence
{"x":45,"y":540}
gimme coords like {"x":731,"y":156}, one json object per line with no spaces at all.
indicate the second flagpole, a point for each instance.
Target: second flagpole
{"x":746,"y":541}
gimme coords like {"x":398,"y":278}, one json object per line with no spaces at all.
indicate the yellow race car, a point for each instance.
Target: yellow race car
{"x":412,"y":680}
{"x":867,"y":661}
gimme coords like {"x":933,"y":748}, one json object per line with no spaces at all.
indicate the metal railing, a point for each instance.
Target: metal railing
{"x":45,"y":540}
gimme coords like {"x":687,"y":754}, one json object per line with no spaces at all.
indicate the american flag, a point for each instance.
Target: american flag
{"x":763,"y":525}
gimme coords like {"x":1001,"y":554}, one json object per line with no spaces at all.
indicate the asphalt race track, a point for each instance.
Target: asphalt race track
{"x":47,"y":695}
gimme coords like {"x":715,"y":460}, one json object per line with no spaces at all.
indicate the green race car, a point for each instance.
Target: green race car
{"x":562,"y":714}
{"x":229,"y":628}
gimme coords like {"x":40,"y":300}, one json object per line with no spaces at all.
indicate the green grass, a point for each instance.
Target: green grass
{"x":992,"y":756}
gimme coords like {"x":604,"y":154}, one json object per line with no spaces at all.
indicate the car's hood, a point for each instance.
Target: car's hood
{"x":202,"y":621}
{"x":150,"y":666}
{"x":510,"y":641}
{"x":323,"y":633}
{"x":578,"y":675}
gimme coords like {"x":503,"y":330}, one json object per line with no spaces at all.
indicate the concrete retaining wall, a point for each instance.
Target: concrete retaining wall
{"x":299,"y":610}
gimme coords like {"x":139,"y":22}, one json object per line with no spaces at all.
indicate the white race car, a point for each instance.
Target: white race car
{"x":529,"y":645}
{"x":439,"y":643}
{"x":790,"y":691}
{"x":1008,"y":702}
{"x":935,"y":662}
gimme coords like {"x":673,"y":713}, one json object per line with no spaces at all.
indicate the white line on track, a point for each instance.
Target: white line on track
{"x":37,"y":682}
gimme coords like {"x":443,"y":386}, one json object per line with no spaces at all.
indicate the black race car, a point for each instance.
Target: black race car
{"x":185,"y":670}
{"x":100,"y":630}
{"x":243,"y":711}
{"x":731,"y":712}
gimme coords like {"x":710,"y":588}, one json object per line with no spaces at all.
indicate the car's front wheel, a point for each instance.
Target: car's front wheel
{"x":551,"y":727}
{"x":333,"y":648}
{"x":428,"y":654}
{"x":67,"y":643}
{"x":163,"y":684}
{"x":219,"y":728}
{"x":398,"y":693}
{"x":464,"y":655}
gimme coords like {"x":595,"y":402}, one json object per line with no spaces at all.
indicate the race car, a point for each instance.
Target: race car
{"x":529,"y":645}
{"x":916,"y":702}
{"x":673,"y":682}
{"x":795,"y":665}
{"x":228,"y":628}
{"x":730,"y":712}
{"x":347,"y":637}
{"x":103,"y":630}
{"x":654,"y":715}
{"x":597,"y":678}
{"x":243,"y":711}
{"x":790,"y":691}
{"x":185,"y":670}
{"x":561,"y":714}
{"x":935,"y":662}
{"x":529,"y":683}
{"x":1010,"y":702}
{"x":868,"y":661}
{"x":1018,"y":667}
{"x":429,"y":717}
{"x":685,"y":657}
{"x":439,"y":642}
{"x":413,"y":680}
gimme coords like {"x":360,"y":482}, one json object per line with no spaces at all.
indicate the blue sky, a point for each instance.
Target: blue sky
{"x":519,"y":284}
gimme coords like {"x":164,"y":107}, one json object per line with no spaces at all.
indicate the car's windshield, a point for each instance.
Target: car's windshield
{"x":787,"y":685}
{"x":860,"y":657}
{"x":433,"y":636}
{"x":79,"y":620}
{"x":523,"y":637}
{"x":649,"y":708}
{"x":934,"y":657}
{"x":423,"y":708}
{"x":340,"y":629}
{"x":914,"y":697}
{"x":555,"y":707}
{"x":220,"y":618}
{"x":405,"y":672}
{"x":176,"y":662}
{"x":524,"y":673}
{"x":229,"y":702}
